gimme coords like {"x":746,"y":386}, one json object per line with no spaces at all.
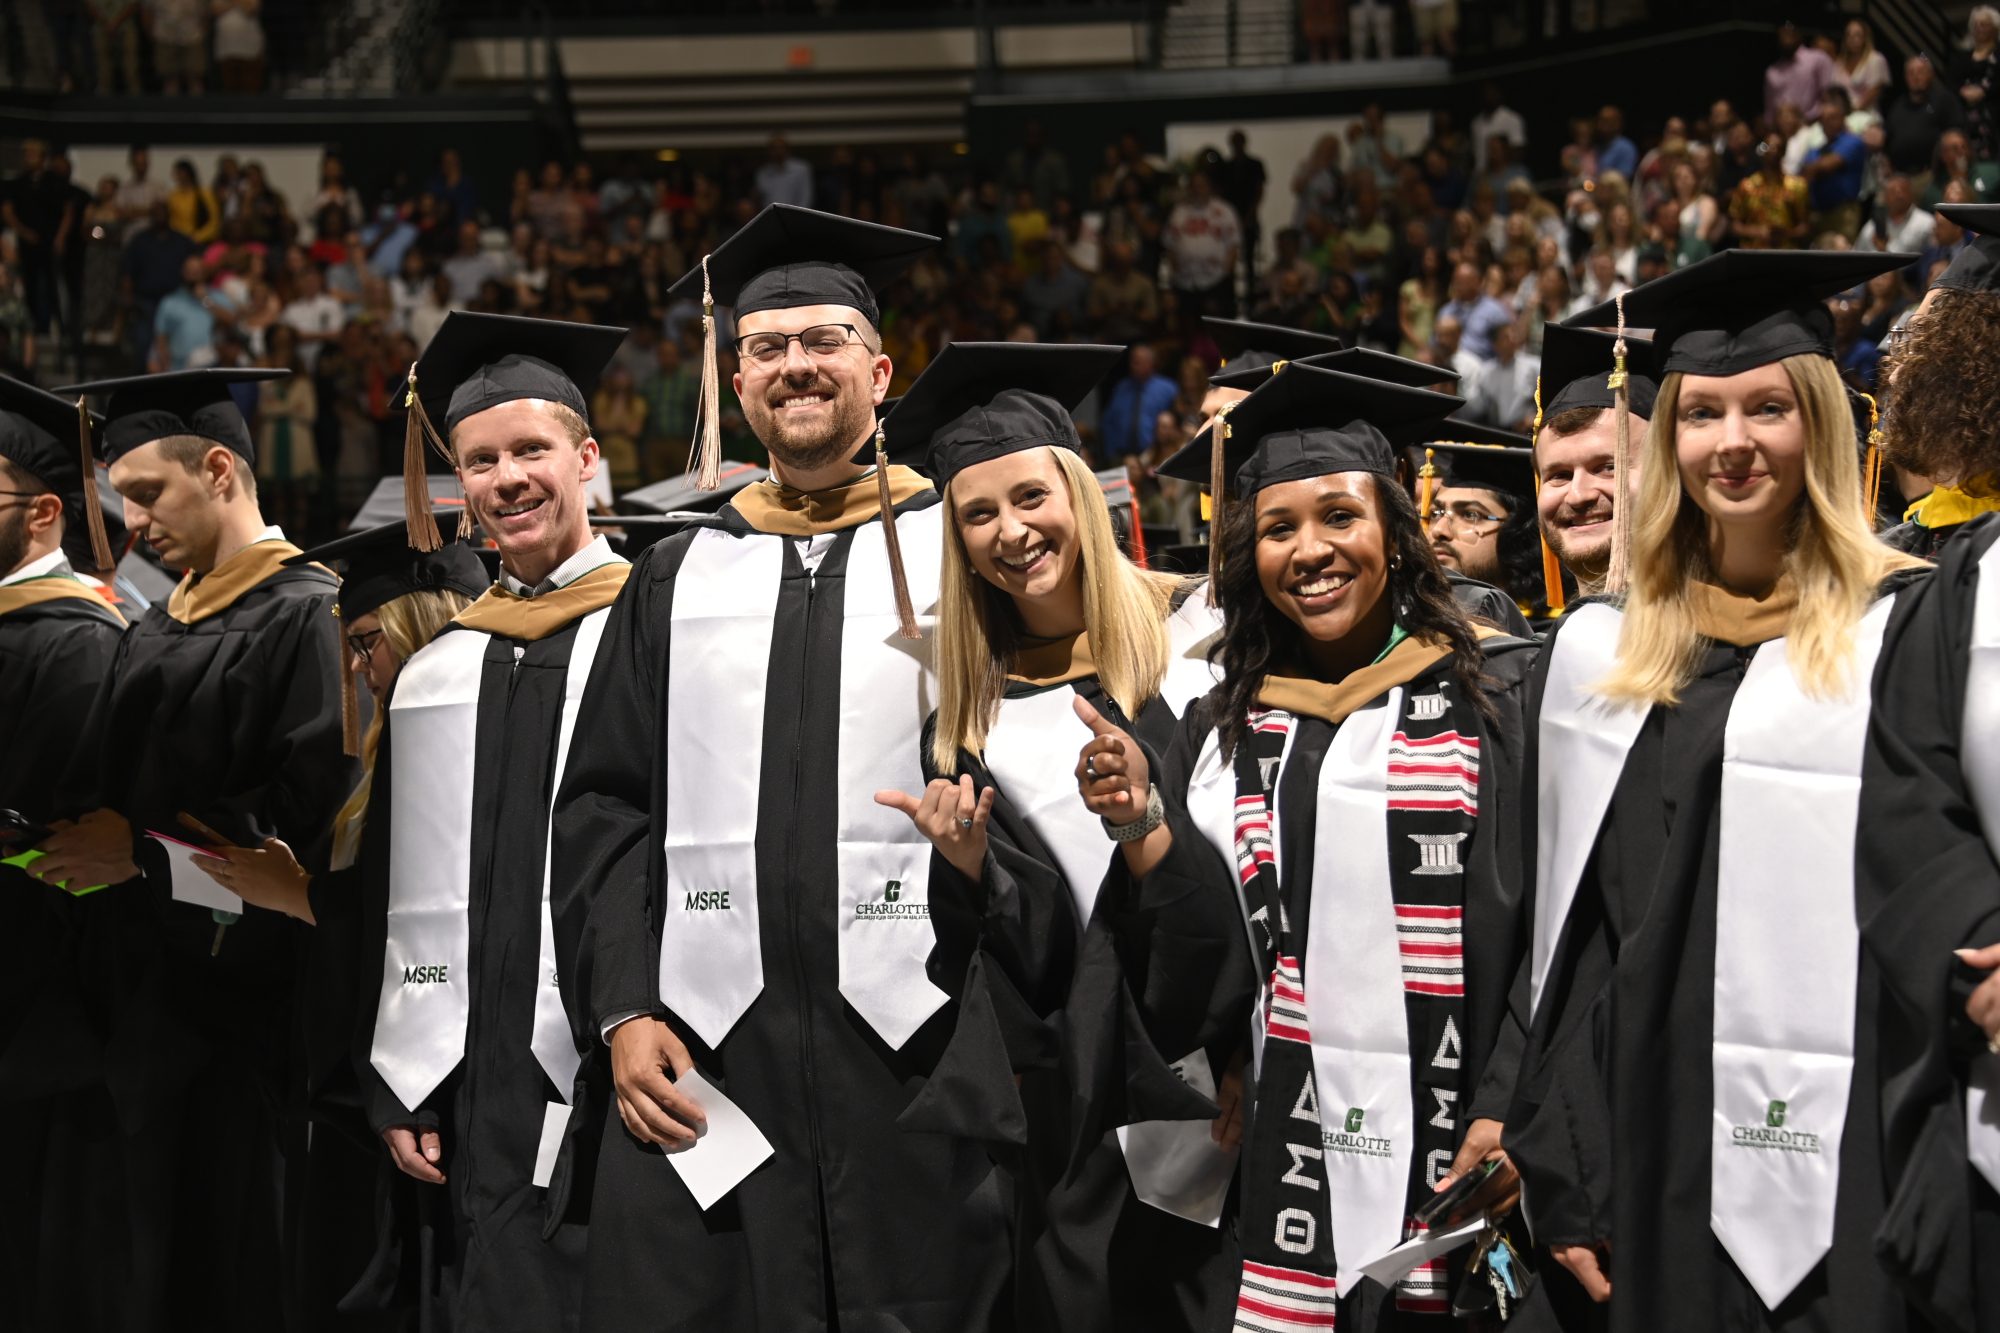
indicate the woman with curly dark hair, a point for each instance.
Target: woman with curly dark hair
{"x":1944,"y":392}
{"x":1338,"y":803}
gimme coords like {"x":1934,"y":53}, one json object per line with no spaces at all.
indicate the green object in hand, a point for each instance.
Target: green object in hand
{"x":22,"y":860}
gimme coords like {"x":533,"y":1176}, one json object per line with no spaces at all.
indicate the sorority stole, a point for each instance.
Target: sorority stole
{"x":724,"y":610}
{"x":1783,"y":1060}
{"x":1980,"y":758}
{"x":426,"y":995}
{"x":1348,"y":1131}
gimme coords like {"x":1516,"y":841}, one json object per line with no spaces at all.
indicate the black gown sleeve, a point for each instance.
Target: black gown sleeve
{"x":602,"y":858}
{"x":51,"y":669}
{"x":1497,"y":927}
{"x":1558,"y":1124}
{"x":1927,"y":883}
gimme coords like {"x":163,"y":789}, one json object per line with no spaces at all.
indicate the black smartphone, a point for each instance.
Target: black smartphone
{"x":1440,"y":1206}
{"x":17,"y":830}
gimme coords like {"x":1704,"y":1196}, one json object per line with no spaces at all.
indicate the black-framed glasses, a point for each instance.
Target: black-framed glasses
{"x":1472,"y":515}
{"x":821,"y":340}
{"x":25,"y":495}
{"x":363,"y":645}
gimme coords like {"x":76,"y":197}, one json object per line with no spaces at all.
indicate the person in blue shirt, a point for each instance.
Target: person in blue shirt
{"x":1477,"y":313}
{"x":1131,"y":416}
{"x":1833,"y":174}
{"x":1615,"y":152}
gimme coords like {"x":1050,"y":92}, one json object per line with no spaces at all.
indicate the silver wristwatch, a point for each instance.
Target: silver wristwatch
{"x":1156,"y":815}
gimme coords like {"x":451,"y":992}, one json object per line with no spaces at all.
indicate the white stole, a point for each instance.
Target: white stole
{"x":1191,"y":629}
{"x":426,"y":990}
{"x":1979,"y":755}
{"x":1787,"y":957}
{"x":1583,"y":741}
{"x":1175,"y":1165}
{"x":725,"y":602}
{"x":1353,"y":974}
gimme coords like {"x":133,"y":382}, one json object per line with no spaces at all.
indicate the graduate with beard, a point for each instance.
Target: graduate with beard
{"x":467,"y":1068}
{"x":222,"y":704}
{"x":1576,"y":445}
{"x":1943,"y":394}
{"x":739,"y":920}
{"x":1483,"y":525}
{"x":58,"y":635}
{"x":1698,"y":1121}
{"x":1336,"y":814}
{"x":1037,"y":607}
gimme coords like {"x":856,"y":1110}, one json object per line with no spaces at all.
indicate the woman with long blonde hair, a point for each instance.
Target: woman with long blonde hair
{"x":1696,"y":1119}
{"x":1037,"y":609}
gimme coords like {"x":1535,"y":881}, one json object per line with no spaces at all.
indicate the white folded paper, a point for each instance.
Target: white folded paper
{"x":732,"y":1148}
{"x":555,"y":1120}
{"x":191,"y":885}
{"x":1394,"y":1266}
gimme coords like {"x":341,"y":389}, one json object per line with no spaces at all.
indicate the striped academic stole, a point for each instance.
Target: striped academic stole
{"x":1980,"y":759}
{"x":1360,"y":1057}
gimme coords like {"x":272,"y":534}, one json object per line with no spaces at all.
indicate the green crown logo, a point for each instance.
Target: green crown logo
{"x":892,"y":890}
{"x":1354,"y":1117}
{"x":1774,"y":1115}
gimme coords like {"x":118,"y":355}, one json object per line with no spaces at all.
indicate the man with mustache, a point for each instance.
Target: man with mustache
{"x":468,"y":1071}
{"x":736,"y":919}
{"x":1482,"y":521}
{"x":222,"y":705}
{"x":57,"y":639}
{"x":1576,"y":438}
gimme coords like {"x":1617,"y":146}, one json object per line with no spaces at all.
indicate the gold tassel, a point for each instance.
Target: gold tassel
{"x":1426,"y":488}
{"x":350,"y":705}
{"x":1217,"y":466}
{"x":1872,"y":476}
{"x":93,"y":513}
{"x":466,"y":527}
{"x":708,"y":407}
{"x":1536,"y":433}
{"x":1552,"y":572}
{"x":906,"y":614}
{"x":417,"y":521}
{"x":1617,"y":576}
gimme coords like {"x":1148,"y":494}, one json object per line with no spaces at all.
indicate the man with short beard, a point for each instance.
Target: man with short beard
{"x":1483,"y":526}
{"x":57,"y":640}
{"x":736,"y":918}
{"x":1576,"y":444}
{"x":469,"y":1073}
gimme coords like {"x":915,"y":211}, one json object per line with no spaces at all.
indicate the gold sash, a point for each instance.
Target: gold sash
{"x":1056,"y":662}
{"x":777,"y":509}
{"x":531,"y":618}
{"x":52,"y":588}
{"x":222,"y":587}
{"x":1335,"y":702}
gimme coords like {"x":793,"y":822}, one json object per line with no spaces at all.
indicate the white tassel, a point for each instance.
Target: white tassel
{"x":708,"y":403}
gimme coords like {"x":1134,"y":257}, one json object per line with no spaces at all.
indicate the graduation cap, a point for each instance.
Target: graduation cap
{"x":683,"y":493}
{"x":981,"y":401}
{"x":380,"y":566}
{"x":1247,"y":345}
{"x":475,"y":362}
{"x":783,"y":258}
{"x":1576,"y":372}
{"x":1363,"y":361}
{"x":1506,"y":469}
{"x":1742,"y":309}
{"x":51,"y":439}
{"x":1976,"y":268}
{"x":145,"y":408}
{"x":633,"y":533}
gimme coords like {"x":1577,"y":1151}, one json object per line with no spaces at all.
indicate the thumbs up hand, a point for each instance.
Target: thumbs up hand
{"x":1111,"y":770}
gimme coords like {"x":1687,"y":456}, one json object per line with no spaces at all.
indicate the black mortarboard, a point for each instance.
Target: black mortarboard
{"x":47,"y":438}
{"x":1742,"y":309}
{"x":1976,"y":268}
{"x":1363,"y":361}
{"x":379,"y":567}
{"x":1247,"y":345}
{"x":633,"y":533}
{"x":478,"y":361}
{"x":981,"y":401}
{"x":1308,"y":422}
{"x":1576,"y":372}
{"x":1506,"y":468}
{"x":145,"y":408}
{"x":789,"y":256}
{"x":683,"y":492}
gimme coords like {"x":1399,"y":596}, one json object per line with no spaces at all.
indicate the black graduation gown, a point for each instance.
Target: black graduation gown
{"x":499,"y":1272}
{"x":1913,"y":538}
{"x":235,"y":719}
{"x":1483,"y":601}
{"x":890,"y":1227}
{"x":54,"y":656}
{"x":1616,"y":1083}
{"x":1090,"y":1255}
{"x":1211,"y":999}
{"x":1928,"y":884}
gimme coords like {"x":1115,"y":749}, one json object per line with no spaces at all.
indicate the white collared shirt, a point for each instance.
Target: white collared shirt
{"x":597,"y":554}
{"x":54,"y":563}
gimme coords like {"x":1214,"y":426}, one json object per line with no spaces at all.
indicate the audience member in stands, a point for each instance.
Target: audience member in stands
{"x":1799,"y":76}
{"x":1975,"y":75}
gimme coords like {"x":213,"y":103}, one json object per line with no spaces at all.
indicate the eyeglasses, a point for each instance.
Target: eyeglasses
{"x":821,"y":340}
{"x":1469,"y":514}
{"x":363,"y":645}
